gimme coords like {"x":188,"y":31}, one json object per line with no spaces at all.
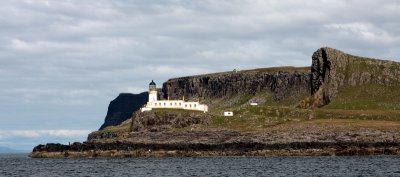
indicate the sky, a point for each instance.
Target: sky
{"x":62,"y":62}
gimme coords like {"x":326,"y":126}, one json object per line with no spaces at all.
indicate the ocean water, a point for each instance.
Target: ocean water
{"x":21,"y":165}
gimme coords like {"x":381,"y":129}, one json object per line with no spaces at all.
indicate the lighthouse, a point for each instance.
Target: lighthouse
{"x":153,"y":103}
{"x":152,"y":91}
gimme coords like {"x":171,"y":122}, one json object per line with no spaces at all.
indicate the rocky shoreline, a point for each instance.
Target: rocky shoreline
{"x":321,"y":140}
{"x":126,"y":149}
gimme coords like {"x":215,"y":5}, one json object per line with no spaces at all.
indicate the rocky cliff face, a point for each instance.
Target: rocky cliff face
{"x":122,"y":107}
{"x":332,"y":69}
{"x":282,"y":82}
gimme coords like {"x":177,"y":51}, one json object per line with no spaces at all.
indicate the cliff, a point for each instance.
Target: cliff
{"x":121,"y":108}
{"x":282,"y":82}
{"x":333,"y":73}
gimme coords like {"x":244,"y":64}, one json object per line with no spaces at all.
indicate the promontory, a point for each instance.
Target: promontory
{"x":340,"y":105}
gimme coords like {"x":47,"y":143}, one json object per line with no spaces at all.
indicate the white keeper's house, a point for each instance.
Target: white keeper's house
{"x":153,"y":103}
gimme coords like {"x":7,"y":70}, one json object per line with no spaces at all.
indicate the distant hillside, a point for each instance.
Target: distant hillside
{"x":4,"y":150}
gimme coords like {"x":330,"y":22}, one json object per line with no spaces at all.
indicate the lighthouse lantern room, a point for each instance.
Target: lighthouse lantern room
{"x":152,"y":91}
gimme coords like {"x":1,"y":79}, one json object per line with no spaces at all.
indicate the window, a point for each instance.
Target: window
{"x":190,"y":105}
{"x":185,"y":105}
{"x":165,"y":104}
{"x":175,"y":103}
{"x":179,"y":104}
{"x":170,"y":104}
{"x":195,"y":105}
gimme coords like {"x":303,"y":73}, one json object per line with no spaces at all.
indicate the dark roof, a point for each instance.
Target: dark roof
{"x":152,"y":83}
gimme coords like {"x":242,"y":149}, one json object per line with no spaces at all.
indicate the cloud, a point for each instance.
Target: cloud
{"x":365,"y":31}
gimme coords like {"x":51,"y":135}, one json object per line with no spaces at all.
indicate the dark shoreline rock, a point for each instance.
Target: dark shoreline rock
{"x":335,"y":141}
{"x":238,"y":146}
{"x":125,"y":149}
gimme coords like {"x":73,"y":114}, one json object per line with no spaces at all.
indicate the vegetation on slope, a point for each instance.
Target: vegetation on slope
{"x":367,"y":97}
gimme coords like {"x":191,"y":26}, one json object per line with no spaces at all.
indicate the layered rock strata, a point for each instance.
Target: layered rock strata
{"x":332,"y":69}
{"x":226,"y":142}
{"x":282,"y":82}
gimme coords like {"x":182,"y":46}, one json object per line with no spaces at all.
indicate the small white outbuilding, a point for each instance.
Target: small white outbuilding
{"x":253,"y":104}
{"x":228,"y":113}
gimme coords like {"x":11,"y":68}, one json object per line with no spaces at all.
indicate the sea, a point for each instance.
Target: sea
{"x":22,"y":165}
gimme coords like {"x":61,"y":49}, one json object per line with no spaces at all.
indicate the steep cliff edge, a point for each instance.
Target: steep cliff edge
{"x":282,"y":82}
{"x":333,"y":73}
{"x":121,"y":108}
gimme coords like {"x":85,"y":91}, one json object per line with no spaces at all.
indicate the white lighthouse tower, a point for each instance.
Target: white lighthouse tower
{"x":152,"y":92}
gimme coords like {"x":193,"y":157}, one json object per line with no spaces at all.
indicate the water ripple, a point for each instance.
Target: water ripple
{"x":20,"y":165}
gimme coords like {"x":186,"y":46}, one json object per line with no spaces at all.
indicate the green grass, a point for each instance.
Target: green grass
{"x":367,"y":97}
{"x":250,"y":118}
{"x":372,"y":102}
{"x":357,"y":114}
{"x":124,"y":127}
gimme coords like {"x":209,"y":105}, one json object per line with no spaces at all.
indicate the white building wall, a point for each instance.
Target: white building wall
{"x":177,"y":104}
